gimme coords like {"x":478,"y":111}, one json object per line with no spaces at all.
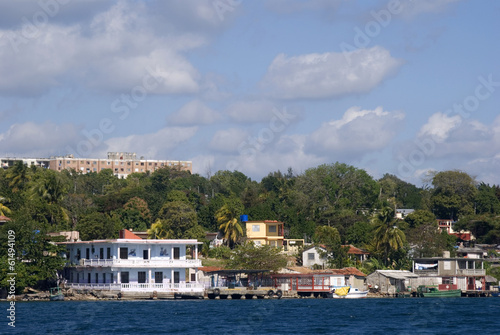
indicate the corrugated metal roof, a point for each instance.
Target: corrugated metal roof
{"x":397,"y":274}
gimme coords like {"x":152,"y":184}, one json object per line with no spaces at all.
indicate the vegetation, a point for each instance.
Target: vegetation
{"x":332,"y":204}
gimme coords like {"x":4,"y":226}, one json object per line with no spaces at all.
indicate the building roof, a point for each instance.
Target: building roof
{"x":349,"y":271}
{"x":127,"y":234}
{"x":343,"y":272}
{"x":315,"y":246}
{"x":397,"y":274}
{"x":210,"y":268}
{"x":4,"y":218}
{"x":355,"y":251}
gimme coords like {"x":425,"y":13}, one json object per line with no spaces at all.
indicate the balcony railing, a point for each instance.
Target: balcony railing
{"x":170,"y":263}
{"x":141,"y":287}
{"x":471,"y":272}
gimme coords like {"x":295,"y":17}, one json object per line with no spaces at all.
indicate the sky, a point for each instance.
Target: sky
{"x":403,"y":87}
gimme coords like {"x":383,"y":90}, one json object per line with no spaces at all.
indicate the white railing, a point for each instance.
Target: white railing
{"x":472,"y":272}
{"x":142,"y":287}
{"x":171,"y":263}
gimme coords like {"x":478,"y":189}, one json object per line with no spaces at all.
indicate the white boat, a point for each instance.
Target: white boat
{"x":352,"y":293}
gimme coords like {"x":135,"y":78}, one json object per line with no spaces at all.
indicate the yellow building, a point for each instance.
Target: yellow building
{"x":265,"y":232}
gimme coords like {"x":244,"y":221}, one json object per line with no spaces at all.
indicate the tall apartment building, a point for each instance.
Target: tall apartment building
{"x":121,"y":163}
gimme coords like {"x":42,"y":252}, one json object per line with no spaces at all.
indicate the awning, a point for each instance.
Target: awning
{"x":420,"y":266}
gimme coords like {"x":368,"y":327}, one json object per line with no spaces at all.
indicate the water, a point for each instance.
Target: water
{"x":294,"y":316}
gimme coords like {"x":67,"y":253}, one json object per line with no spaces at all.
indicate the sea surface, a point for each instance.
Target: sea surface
{"x":285,"y":316}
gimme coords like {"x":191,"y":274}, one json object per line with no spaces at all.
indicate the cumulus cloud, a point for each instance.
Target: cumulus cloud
{"x":114,"y":50}
{"x":39,"y":140}
{"x":228,"y":140}
{"x":251,"y":111}
{"x":329,"y":74}
{"x":357,"y":132}
{"x":439,"y":126}
{"x":194,"y":113}
{"x":411,"y":8}
{"x":154,"y":145}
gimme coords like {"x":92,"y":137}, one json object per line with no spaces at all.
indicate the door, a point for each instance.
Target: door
{"x":108,"y":253}
{"x":176,"y":277}
{"x":123,"y":253}
{"x":124,"y":277}
{"x":101,"y":253}
{"x":158,"y":277}
{"x":145,"y":254}
{"x":141,"y":277}
{"x":177,"y":252}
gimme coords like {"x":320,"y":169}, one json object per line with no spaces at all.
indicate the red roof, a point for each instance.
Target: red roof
{"x":348,"y":271}
{"x":127,"y":234}
{"x":356,"y":251}
{"x":4,"y":218}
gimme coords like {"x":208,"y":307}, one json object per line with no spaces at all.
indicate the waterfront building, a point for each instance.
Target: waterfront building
{"x":120,"y":163}
{"x":466,"y":274}
{"x":267,"y":232}
{"x":132,"y":264}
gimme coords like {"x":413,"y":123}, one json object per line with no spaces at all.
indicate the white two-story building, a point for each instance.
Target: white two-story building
{"x":133,"y":264}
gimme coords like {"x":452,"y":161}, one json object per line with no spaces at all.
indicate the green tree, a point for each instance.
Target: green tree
{"x":227,"y":217}
{"x":251,"y":257}
{"x":453,"y":194}
{"x":387,"y":236}
{"x":178,"y":217}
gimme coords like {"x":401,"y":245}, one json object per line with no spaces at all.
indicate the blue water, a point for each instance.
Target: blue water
{"x":295,"y":316}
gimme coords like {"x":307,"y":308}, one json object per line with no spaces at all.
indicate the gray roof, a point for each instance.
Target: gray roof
{"x":491,"y":279}
{"x":397,"y":274}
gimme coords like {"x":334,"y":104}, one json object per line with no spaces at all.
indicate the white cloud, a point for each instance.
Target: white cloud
{"x":411,"y":8}
{"x":156,"y":145}
{"x":194,"y":113}
{"x":357,"y":132}
{"x":228,"y":140}
{"x":251,"y":111}
{"x":114,"y":51}
{"x":439,"y":126}
{"x":39,"y":140}
{"x":329,"y":74}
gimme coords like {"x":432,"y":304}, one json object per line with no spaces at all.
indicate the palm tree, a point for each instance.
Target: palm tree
{"x":158,"y":231}
{"x":227,"y":218}
{"x":4,"y":210}
{"x":388,"y":236}
{"x":18,"y":176}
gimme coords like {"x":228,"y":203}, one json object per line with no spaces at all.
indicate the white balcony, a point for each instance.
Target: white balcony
{"x":142,"y":287}
{"x":471,"y":272}
{"x":143,"y":263}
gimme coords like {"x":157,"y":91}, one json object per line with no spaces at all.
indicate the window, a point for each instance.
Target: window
{"x":310,"y":256}
{"x":96,"y":278}
{"x":104,"y":278}
{"x":111,"y":279}
{"x":145,"y":254}
{"x":255,"y":228}
{"x":446,"y":265}
{"x":272,"y":229}
{"x":176,"y":277}
{"x":257,"y":243}
{"x":101,"y":253}
{"x":87,"y":253}
{"x":177,"y":251}
{"x":193,"y":277}
{"x":158,"y":277}
{"x":108,"y":253}
{"x":141,"y":277}
{"x":447,"y":281}
{"x":125,"y":277}
{"x":123,"y":253}
{"x":78,"y":254}
{"x":88,"y":277}
{"x":272,"y":243}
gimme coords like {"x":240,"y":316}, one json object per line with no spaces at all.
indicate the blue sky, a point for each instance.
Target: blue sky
{"x":401,"y":86}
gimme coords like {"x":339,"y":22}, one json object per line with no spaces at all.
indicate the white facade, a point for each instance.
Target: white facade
{"x":132,"y":265}
{"x":312,"y":256}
